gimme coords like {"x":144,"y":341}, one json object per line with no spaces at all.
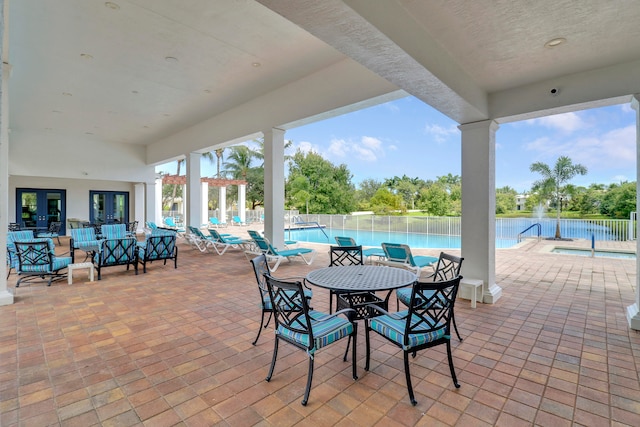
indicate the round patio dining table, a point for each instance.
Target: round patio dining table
{"x":356,"y":285}
{"x":359,"y":278}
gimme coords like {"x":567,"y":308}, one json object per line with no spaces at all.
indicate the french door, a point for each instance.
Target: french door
{"x":108,"y":207}
{"x":37,"y":208}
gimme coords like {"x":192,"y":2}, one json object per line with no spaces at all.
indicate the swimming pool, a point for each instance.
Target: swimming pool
{"x":597,"y":253}
{"x":374,"y":238}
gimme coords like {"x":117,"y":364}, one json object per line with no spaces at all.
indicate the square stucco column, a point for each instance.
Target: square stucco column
{"x":154,"y":202}
{"x":6,"y":298}
{"x":204,"y":213}
{"x":222,"y":204}
{"x":194,"y":194}
{"x":242,"y":203}
{"x":633,"y":311}
{"x":479,"y":206}
{"x":274,"y":186}
{"x":138,"y":208}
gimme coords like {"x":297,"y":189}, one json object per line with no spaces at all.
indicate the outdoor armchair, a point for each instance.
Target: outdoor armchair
{"x":427,"y":323}
{"x":12,"y":255}
{"x":84,"y":239}
{"x":36,"y":259}
{"x":114,"y":231}
{"x":52,"y":231}
{"x":447,"y":268}
{"x":367,"y":253}
{"x":115,"y":252}
{"x":261,"y":268}
{"x":305,"y":329}
{"x":161,"y":246}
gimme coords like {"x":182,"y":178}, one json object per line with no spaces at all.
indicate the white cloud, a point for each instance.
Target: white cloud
{"x":615,"y":149}
{"x":306,"y":147}
{"x":368,"y":149}
{"x":566,"y":122}
{"x":439,"y":133}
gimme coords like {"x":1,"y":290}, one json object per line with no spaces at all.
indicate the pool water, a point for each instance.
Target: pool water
{"x":597,"y":253}
{"x":375,"y":238}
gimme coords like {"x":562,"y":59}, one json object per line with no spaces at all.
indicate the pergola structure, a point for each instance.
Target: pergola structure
{"x":222,"y":183}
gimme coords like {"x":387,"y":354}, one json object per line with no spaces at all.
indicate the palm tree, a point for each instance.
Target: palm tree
{"x":239,"y":161}
{"x":554,"y":180}
{"x":219,"y":155}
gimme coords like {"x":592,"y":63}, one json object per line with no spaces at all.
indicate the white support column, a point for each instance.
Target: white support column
{"x":155,"y":214}
{"x":242,"y":203}
{"x":633,"y":311}
{"x":138,"y":209}
{"x":149,"y":203}
{"x":222,"y":204}
{"x":194,"y":196}
{"x":479,"y":207}
{"x":6,"y":297}
{"x":204,"y":194}
{"x":274,"y":186}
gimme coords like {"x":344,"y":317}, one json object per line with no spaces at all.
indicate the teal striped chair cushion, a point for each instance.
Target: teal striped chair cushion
{"x":58,"y":264}
{"x":404,"y":295}
{"x":83,"y":234}
{"x":266,"y":300}
{"x":324,"y":333}
{"x":394,"y":329}
{"x":114,"y":231}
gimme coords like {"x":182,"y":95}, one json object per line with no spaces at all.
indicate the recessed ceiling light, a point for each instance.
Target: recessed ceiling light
{"x":86,"y":56}
{"x":134,"y":91}
{"x":112,"y":5}
{"x":67,"y":94}
{"x":171,"y":59}
{"x":555,"y":42}
{"x":255,"y":64}
{"x":88,"y":133}
{"x":167,"y":115}
{"x":56,"y":111}
{"x":207,"y":91}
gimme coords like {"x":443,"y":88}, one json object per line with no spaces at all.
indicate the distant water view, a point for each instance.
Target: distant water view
{"x":375,"y":238}
{"x":444,"y":232}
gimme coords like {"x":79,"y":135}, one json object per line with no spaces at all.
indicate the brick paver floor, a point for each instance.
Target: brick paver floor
{"x":173,"y":347}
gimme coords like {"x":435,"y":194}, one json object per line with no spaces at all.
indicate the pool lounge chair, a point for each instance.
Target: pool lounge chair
{"x":169,"y":222}
{"x":215,"y":222}
{"x":237,"y":221}
{"x":222,"y":243}
{"x":287,"y":243}
{"x":198,"y":239}
{"x":367,"y":253}
{"x":273,"y":255}
{"x":399,"y":255}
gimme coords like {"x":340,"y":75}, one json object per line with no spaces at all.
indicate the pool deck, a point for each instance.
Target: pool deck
{"x":173,"y":348}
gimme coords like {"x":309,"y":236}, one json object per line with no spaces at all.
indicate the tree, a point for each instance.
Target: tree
{"x":620,"y":200}
{"x":384,"y":202}
{"x":365,"y":192}
{"x":505,"y":200}
{"x":555,"y":180}
{"x":435,"y":200}
{"x":330,"y":186}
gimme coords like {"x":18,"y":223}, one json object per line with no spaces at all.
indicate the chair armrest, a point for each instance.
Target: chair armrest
{"x":385,"y":312}
{"x":326,"y":317}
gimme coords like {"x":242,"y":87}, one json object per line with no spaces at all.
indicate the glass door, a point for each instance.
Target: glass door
{"x":108,"y":207}
{"x":37,"y":208}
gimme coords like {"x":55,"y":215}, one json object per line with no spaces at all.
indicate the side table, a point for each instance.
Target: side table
{"x":78,"y":266}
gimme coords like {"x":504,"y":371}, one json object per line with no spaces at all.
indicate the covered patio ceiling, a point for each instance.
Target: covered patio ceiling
{"x":183,"y":76}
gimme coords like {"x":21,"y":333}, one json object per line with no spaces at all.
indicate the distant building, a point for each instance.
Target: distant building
{"x":521,"y":200}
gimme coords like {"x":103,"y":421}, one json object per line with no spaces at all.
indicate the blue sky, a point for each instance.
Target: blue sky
{"x":407,"y":136}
